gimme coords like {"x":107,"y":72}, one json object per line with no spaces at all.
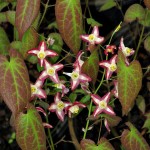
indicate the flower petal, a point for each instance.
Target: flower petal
{"x":57,"y":98}
{"x":74,"y":84}
{"x":109,"y":111}
{"x":60,"y":115}
{"x":95,"y":31}
{"x":52,"y":107}
{"x":106,"y":125}
{"x":85,"y":37}
{"x":97,"y":111}
{"x":96,"y":99}
{"x":99,"y":40}
{"x":106,"y":97}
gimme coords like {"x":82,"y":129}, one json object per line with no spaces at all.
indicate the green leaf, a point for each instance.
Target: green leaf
{"x":8,"y":16}
{"x":112,"y":120}
{"x":26,"y":13}
{"x":147,"y":122}
{"x":3,"y":5}
{"x":132,"y":139}
{"x":29,"y":40}
{"x":87,"y":144}
{"x":30,"y":133}
{"x":17,"y":45}
{"x":93,"y":23}
{"x":129,"y":82}
{"x":52,"y":25}
{"x":72,"y":97}
{"x":134,"y":12}
{"x":85,"y":99}
{"x":109,"y":4}
{"x":14,"y":81}
{"x":147,"y":44}
{"x":91,"y":66}
{"x":4,"y":42}
{"x":146,"y":20}
{"x":140,"y":102}
{"x":69,"y":21}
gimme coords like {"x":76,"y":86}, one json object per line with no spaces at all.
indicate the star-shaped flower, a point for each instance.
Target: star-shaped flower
{"x":110,"y":66}
{"x":51,"y":71}
{"x":42,"y":52}
{"x":93,"y":38}
{"x":109,"y":49}
{"x":58,"y":106}
{"x":36,"y":90}
{"x":115,"y":90}
{"x":126,"y":50}
{"x":77,"y":77}
{"x":74,"y":108}
{"x":102,"y":104}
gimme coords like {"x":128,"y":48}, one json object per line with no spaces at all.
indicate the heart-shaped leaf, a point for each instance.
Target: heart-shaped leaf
{"x":4,"y":42}
{"x":87,"y":144}
{"x":129,"y":82}
{"x":140,"y":102}
{"x":26,"y":12}
{"x":112,"y":120}
{"x":91,"y":66}
{"x":146,"y":20}
{"x":132,"y":139}
{"x":135,"y":11}
{"x":30,"y":133}
{"x":14,"y":81}
{"x":69,"y":21}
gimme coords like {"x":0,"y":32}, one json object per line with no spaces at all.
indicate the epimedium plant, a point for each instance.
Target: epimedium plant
{"x":70,"y":77}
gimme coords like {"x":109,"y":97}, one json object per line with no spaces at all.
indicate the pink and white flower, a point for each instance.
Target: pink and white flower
{"x":109,"y":49}
{"x":42,"y":52}
{"x":40,"y":109}
{"x":102,"y":104}
{"x":60,"y":85}
{"x":115,"y":90}
{"x":78,"y":60}
{"x":58,"y":106}
{"x":94,"y":37}
{"x":110,"y":66}
{"x":36,"y":90}
{"x":47,"y":125}
{"x":126,"y":50}
{"x":74,"y":108}
{"x":51,"y":71}
{"x":77,"y":77}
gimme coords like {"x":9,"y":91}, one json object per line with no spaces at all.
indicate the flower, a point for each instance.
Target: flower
{"x":110,"y":66}
{"x":109,"y":49}
{"x":42,"y":52}
{"x":115,"y":90}
{"x":39,"y":109}
{"x":77,"y":77}
{"x":78,"y":60}
{"x":50,"y":41}
{"x":74,"y":108}
{"x":60,"y":85}
{"x":36,"y":89}
{"x":102,"y":104}
{"x":47,"y":125}
{"x":51,"y":71}
{"x":93,"y":38}
{"x":85,"y":87}
{"x":58,"y":106}
{"x":126,"y":50}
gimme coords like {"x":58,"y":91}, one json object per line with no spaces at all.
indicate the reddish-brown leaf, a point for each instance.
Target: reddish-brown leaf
{"x":69,"y":21}
{"x":30,"y":133}
{"x":14,"y":81}
{"x":26,"y":12}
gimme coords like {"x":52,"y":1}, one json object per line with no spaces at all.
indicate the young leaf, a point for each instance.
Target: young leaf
{"x":4,"y":42}
{"x":109,"y":4}
{"x":69,"y":21}
{"x":91,"y":66}
{"x":134,"y":12}
{"x":132,"y":139}
{"x":26,"y":12}
{"x":14,"y":81}
{"x":87,"y":144}
{"x":29,"y":40}
{"x":30,"y":133}
{"x":93,"y":22}
{"x":112,"y":120}
{"x":85,"y":99}
{"x":129,"y":82}
{"x":147,"y":44}
{"x":140,"y":102}
{"x":147,"y":122}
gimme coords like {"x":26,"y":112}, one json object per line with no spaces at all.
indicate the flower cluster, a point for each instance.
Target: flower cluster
{"x":77,"y":78}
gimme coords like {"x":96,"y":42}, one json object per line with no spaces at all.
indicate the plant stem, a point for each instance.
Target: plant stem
{"x":73,"y":135}
{"x":50,"y":136}
{"x":45,"y":9}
